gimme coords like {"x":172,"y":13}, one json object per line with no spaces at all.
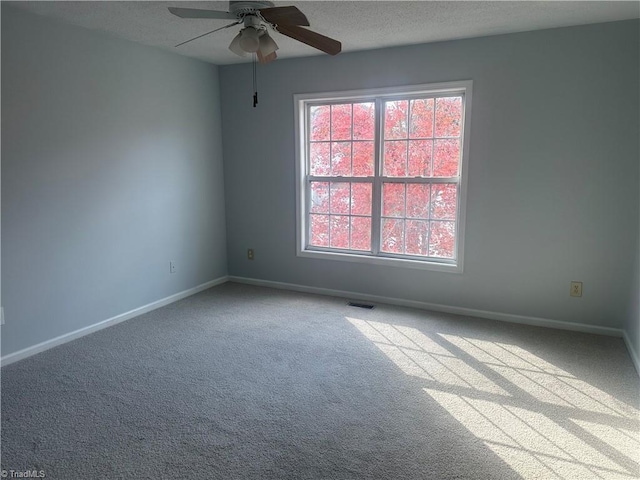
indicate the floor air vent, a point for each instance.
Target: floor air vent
{"x":361,"y":305}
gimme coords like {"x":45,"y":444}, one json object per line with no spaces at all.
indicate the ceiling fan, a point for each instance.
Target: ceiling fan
{"x":257,"y":17}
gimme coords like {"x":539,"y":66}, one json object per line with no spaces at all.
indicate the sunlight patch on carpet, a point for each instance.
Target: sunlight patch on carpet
{"x":419,"y":356}
{"x":539,"y":419}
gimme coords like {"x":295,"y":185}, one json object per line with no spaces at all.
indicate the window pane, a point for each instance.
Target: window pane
{"x":341,"y":159}
{"x":319,"y":122}
{"x":320,"y":159}
{"x":319,"y":230}
{"x":446,"y":156}
{"x":340,"y":197}
{"x":421,"y":125}
{"x":442,"y":240}
{"x":341,"y":122}
{"x":448,"y":116}
{"x":393,"y":200}
{"x":395,"y":119}
{"x":364,"y":120}
{"x":420,"y":158}
{"x":392,"y":235}
{"x":361,"y":198}
{"x":363,"y":159}
{"x":444,"y":201}
{"x":361,"y":233}
{"x":417,"y":237}
{"x":395,"y":159}
{"x":339,"y":231}
{"x":351,"y":147}
{"x":319,"y":197}
{"x":418,"y":201}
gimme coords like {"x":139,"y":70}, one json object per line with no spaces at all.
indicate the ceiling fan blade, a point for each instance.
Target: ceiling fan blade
{"x":208,"y":33}
{"x":266,"y":58}
{"x":197,"y":13}
{"x":313,"y":39}
{"x":284,"y":16}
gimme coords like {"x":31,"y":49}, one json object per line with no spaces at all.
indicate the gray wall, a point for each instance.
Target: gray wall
{"x":633,"y":320}
{"x":553,"y":178}
{"x":111,"y":167}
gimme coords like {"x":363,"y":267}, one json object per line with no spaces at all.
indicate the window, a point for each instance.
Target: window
{"x":382,"y":175}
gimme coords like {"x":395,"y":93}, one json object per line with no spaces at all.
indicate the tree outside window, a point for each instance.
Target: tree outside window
{"x":381,"y":176}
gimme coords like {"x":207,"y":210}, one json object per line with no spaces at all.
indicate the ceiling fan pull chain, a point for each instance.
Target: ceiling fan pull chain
{"x":255,"y":82}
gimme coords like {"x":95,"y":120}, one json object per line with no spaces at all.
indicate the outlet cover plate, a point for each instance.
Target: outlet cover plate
{"x":576,"y":289}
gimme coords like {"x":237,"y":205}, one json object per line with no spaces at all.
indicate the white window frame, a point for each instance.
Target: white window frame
{"x":301,"y":102}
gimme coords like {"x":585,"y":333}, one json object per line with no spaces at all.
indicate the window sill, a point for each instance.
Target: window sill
{"x":386,"y":261}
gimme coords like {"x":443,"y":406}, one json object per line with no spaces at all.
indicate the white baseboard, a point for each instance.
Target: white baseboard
{"x":632,"y":351}
{"x":504,"y":317}
{"x":67,"y":337}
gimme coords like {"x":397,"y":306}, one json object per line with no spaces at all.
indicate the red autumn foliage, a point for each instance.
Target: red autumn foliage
{"x":421,"y":138}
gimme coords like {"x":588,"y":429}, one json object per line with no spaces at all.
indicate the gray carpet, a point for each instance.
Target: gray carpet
{"x":242,"y":382}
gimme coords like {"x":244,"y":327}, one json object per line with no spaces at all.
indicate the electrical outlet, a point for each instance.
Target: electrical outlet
{"x":172,"y":267}
{"x":250,"y":254}
{"x":576,"y":289}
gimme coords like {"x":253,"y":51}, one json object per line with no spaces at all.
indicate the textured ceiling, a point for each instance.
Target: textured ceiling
{"x":359,"y":25}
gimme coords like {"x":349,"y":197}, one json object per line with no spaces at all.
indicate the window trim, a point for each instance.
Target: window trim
{"x":300,"y":102}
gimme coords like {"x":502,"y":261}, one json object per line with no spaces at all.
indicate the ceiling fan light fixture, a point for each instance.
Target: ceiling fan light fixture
{"x":267,"y":44}
{"x":235,"y":47}
{"x":249,"y":41}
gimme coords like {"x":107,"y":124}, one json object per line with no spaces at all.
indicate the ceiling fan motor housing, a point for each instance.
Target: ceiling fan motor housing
{"x":240,"y":9}
{"x":253,"y":21}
